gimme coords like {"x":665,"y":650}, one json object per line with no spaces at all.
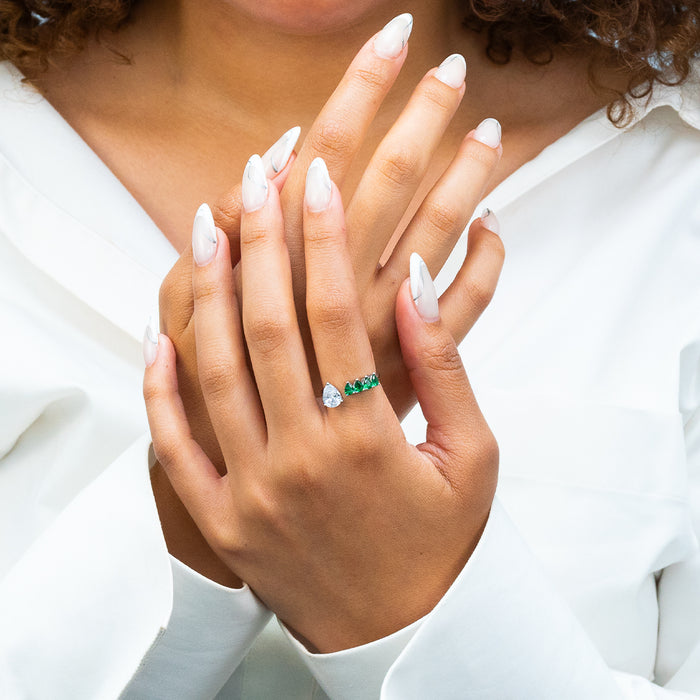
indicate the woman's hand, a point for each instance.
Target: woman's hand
{"x":376,"y":213}
{"x":341,"y":527}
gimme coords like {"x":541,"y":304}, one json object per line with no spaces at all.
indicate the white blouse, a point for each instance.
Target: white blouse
{"x":586,"y":581}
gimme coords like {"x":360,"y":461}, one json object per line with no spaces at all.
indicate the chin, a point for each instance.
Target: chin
{"x":310,"y":16}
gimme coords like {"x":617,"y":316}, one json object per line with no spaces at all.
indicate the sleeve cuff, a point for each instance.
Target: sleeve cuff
{"x":356,"y":673}
{"x":211,"y":629}
{"x":500,"y":631}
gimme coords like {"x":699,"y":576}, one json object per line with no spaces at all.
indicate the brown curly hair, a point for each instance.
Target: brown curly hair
{"x":653,"y":40}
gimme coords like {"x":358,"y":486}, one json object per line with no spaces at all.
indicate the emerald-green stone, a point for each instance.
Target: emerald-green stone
{"x":349,"y":389}
{"x":358,"y":385}
{"x":374,"y":380}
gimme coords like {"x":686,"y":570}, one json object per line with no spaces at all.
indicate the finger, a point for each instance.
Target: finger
{"x":339,"y":129}
{"x":445,"y":212}
{"x":193,"y":476}
{"x":342,"y":347}
{"x":269,"y":317}
{"x":435,"y":368}
{"x":227,"y":385}
{"x":400,"y":162}
{"x":475,"y":284}
{"x":175,"y":297}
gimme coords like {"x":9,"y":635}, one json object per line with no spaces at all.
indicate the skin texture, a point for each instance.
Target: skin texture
{"x":210,"y":83}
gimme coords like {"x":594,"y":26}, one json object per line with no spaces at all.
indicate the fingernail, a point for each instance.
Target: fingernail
{"x":276,"y":157}
{"x":452,"y":71}
{"x":391,"y":40}
{"x":423,"y":289}
{"x":203,"y":236}
{"x":489,"y":132}
{"x":254,"y":189}
{"x":318,"y":186}
{"x":489,"y":220}
{"x":150,"y":343}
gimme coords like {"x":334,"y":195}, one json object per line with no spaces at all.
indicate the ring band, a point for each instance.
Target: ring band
{"x":333,"y":398}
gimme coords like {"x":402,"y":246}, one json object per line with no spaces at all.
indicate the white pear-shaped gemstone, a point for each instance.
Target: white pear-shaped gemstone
{"x":331,"y":396}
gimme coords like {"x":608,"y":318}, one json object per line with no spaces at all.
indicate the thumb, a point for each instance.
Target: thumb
{"x":434,"y":365}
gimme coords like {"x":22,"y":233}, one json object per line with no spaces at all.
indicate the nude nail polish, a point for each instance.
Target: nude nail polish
{"x":203,"y":236}
{"x":452,"y":71}
{"x":150,"y":343}
{"x":391,"y":40}
{"x":489,"y":132}
{"x":254,"y":188}
{"x":489,"y":220}
{"x":318,"y":186}
{"x":276,"y":157}
{"x":423,"y":289}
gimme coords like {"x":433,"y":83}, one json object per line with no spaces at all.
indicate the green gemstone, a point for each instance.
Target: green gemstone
{"x":374,"y":380}
{"x":366,"y":383}
{"x":358,"y":385}
{"x":349,"y":390}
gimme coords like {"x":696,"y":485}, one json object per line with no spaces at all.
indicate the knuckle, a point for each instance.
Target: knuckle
{"x":154,"y":392}
{"x":267,"y":334}
{"x":322,"y":236}
{"x":440,"y":99}
{"x":206,"y":291}
{"x":165,"y":452}
{"x":219,"y":379}
{"x":333,"y":140}
{"x":369,"y":80}
{"x":332,"y":312}
{"x":478,"y":292}
{"x":443,"y":217}
{"x":254,"y":237}
{"x":443,"y":356}
{"x":400,"y":168}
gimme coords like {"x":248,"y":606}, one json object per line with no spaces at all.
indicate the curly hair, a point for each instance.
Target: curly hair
{"x":653,"y":40}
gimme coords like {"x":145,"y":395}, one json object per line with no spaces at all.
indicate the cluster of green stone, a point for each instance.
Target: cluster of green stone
{"x":367,"y":382}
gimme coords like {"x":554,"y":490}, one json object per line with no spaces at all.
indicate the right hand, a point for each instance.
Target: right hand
{"x":377,"y":208}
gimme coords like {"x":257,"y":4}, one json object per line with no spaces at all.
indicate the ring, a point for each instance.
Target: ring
{"x":332,"y":396}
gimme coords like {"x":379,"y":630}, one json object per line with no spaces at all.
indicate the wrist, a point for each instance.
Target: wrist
{"x":183,"y":538}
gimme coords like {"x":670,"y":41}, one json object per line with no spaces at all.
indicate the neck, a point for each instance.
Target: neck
{"x":207,"y":52}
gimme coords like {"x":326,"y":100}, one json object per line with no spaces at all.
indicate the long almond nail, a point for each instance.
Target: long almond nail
{"x":452,"y":71}
{"x":276,"y":157}
{"x":318,"y":186}
{"x":391,"y":40}
{"x":423,"y":290}
{"x":150,"y":343}
{"x":254,"y":188}
{"x":203,"y":236}
{"x":489,"y":132}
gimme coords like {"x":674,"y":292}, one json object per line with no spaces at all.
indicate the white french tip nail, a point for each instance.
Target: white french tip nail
{"x":489,"y":132}
{"x":452,"y":71}
{"x":423,"y":289}
{"x":277,"y":156}
{"x":391,"y":40}
{"x":254,"y":188}
{"x":490,"y":221}
{"x":318,"y":186}
{"x":203,"y":236}
{"x":150,"y":343}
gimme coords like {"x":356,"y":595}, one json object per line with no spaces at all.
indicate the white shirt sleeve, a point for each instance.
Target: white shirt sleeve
{"x":503,"y":631}
{"x":97,"y":604}
{"x":210,"y":630}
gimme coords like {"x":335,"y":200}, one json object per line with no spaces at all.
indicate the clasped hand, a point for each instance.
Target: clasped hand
{"x":345,"y":530}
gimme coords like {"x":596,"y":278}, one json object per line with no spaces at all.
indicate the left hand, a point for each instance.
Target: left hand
{"x":345,"y":530}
